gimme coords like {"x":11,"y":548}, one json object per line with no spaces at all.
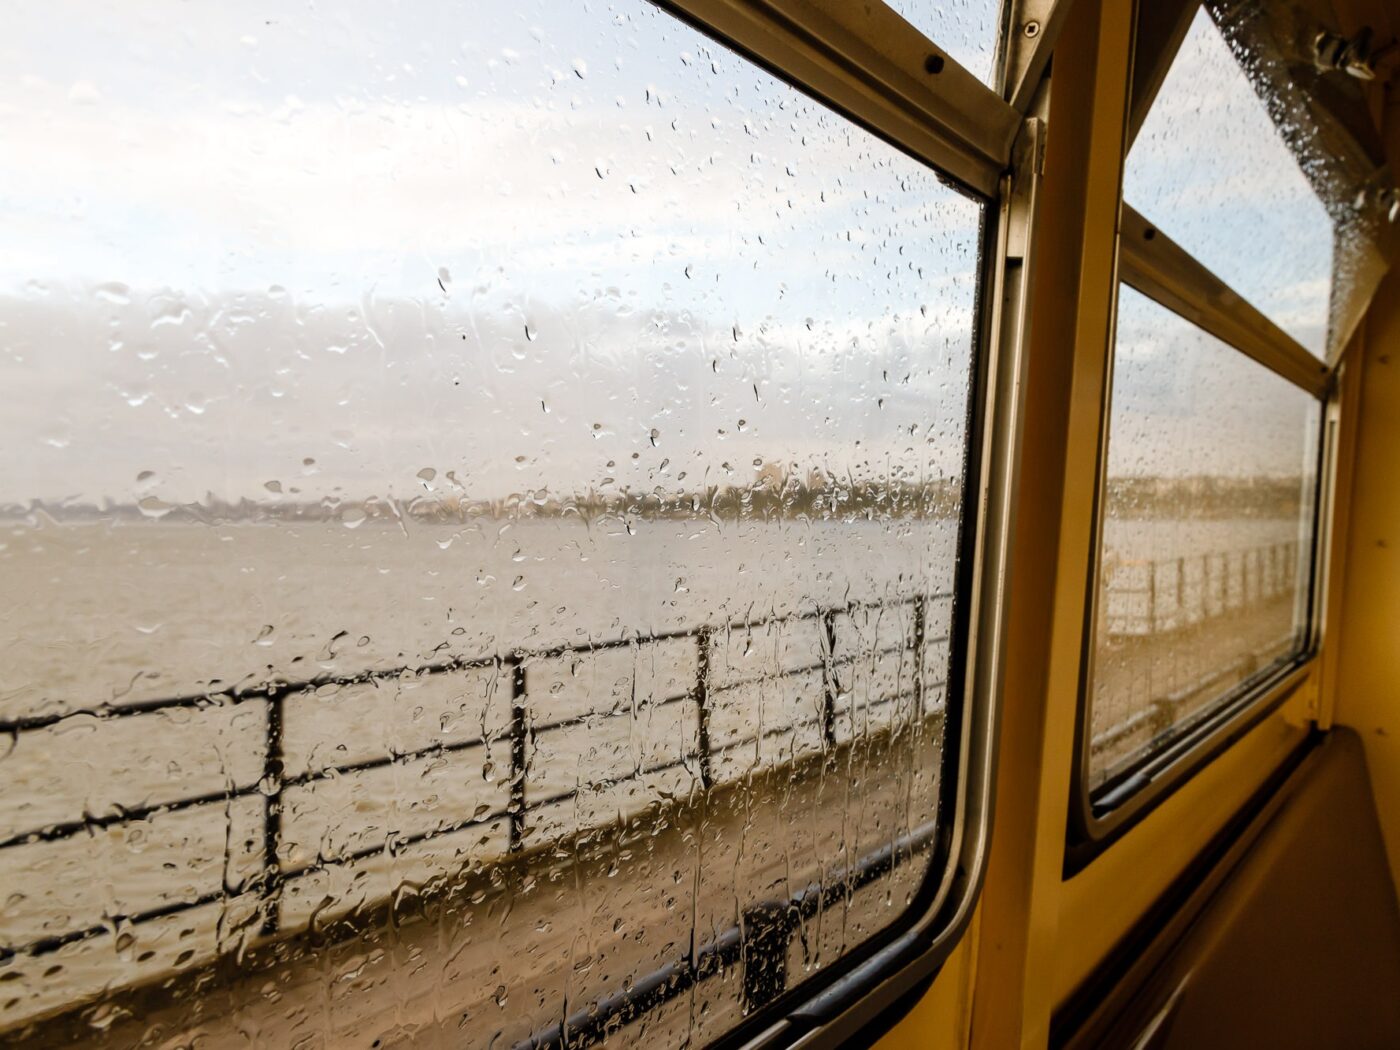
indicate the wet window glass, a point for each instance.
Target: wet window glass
{"x":967,"y":31}
{"x":1207,"y":532}
{"x":1211,"y":169}
{"x":480,"y":493}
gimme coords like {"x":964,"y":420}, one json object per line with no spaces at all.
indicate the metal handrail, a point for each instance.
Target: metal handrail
{"x":272,"y":875}
{"x":1218,"y":581}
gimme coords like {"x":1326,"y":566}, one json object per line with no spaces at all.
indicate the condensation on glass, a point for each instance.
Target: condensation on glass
{"x":480,"y":496}
{"x":1207,"y":532}
{"x":967,"y":30}
{"x":1212,"y":170}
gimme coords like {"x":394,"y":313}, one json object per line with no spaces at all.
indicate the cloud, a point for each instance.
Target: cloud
{"x":1185,"y":403}
{"x":505,"y":253}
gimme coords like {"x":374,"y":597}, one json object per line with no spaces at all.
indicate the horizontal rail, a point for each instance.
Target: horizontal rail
{"x":282,"y":687}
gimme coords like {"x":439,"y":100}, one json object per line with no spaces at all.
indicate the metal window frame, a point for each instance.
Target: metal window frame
{"x":1030,"y":30}
{"x":1352,"y":182}
{"x":1162,"y":26}
{"x":870,"y":984}
{"x":1165,"y":272}
{"x":1155,"y":265}
{"x":1099,"y":817}
{"x":871,"y":66}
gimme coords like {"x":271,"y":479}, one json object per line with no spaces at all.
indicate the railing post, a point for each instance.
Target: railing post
{"x":1152,"y":597}
{"x":1181,"y":591}
{"x":1205,"y":587}
{"x":920,"y":636}
{"x":830,"y":686}
{"x":274,"y":763}
{"x":767,"y":929}
{"x":703,"y":643}
{"x":519,"y":752}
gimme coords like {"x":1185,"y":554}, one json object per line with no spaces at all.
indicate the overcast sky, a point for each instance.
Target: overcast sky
{"x":1210,"y":169}
{"x":383,"y":249}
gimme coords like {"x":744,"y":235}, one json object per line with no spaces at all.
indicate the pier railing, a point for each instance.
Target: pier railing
{"x":532,"y":755}
{"x":1145,"y":597}
{"x":1164,"y":677}
{"x":281,"y":792}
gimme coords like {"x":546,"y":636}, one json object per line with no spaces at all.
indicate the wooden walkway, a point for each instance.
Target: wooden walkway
{"x":504,"y":952}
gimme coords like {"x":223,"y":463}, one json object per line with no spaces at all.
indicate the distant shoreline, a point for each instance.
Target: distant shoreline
{"x":771,"y":498}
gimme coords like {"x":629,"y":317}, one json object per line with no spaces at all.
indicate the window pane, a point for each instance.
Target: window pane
{"x":967,"y":31}
{"x":1211,"y":169}
{"x":480,"y":483}
{"x":1207,"y":531}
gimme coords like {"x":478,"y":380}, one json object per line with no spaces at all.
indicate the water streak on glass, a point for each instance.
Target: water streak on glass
{"x":479,"y":503}
{"x":1207,"y":532}
{"x":1213,"y":171}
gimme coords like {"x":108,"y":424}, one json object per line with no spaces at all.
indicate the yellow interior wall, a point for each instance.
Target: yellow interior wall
{"x":1366,"y":635}
{"x":1102,"y":902}
{"x":1037,"y":937}
{"x":942,"y":1017}
{"x":1070,"y":301}
{"x":1368,"y":639}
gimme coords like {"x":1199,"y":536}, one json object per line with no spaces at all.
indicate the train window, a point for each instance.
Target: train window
{"x":482,"y":504}
{"x":1210,"y":166}
{"x":1206,"y":535}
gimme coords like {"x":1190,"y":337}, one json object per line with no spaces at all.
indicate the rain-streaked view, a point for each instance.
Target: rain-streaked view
{"x":483,"y":500}
{"x":1210,"y":472}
